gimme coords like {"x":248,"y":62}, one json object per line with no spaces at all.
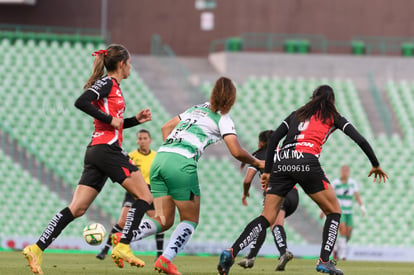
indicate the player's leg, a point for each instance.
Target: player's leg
{"x":250,"y":232}
{"x":82,"y":198}
{"x":159,"y":237}
{"x":341,"y":242}
{"x":117,"y":228}
{"x":248,"y":260}
{"x":135,"y":184}
{"x":329,"y":204}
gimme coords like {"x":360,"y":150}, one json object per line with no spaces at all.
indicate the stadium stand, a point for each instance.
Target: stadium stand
{"x":17,"y":191}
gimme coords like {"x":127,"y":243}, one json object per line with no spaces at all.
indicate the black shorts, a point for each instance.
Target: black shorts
{"x":306,"y":171}
{"x":129,"y":200}
{"x":290,"y":204}
{"x":103,"y":161}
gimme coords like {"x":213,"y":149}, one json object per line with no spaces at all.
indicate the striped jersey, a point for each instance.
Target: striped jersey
{"x":345,"y":193}
{"x":199,"y":127}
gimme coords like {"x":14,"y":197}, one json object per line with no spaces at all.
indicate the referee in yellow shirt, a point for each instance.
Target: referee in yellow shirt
{"x":142,"y":158}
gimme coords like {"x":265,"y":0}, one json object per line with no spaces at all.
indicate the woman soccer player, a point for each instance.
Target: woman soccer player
{"x":104,"y":157}
{"x":306,"y":130}
{"x":289,"y":206}
{"x":174,"y":181}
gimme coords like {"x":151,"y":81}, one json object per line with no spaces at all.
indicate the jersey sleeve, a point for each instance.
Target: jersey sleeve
{"x":99,"y":89}
{"x":356,"y":186}
{"x":345,"y":126}
{"x":274,"y":140}
{"x":226,"y":126}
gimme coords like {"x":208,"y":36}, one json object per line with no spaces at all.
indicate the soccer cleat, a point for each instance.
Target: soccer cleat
{"x":283,"y":260}
{"x":115,"y":238}
{"x":163,"y":265}
{"x":33,"y":254}
{"x":102,"y":254}
{"x":226,"y":261}
{"x":328,"y":267}
{"x":247,"y":262}
{"x":122,"y":252}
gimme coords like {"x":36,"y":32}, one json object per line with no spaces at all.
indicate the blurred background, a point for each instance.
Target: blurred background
{"x":276,"y":51}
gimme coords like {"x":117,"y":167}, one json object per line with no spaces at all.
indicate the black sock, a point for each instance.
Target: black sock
{"x":56,"y":225}
{"x":257,"y":244}
{"x":279,"y":236}
{"x":159,"y":240}
{"x":116,"y":228}
{"x":330,"y":232}
{"x":250,"y":233}
{"x":133,"y":219}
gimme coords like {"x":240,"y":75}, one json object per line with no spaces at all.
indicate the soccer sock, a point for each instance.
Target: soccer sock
{"x":55,"y":227}
{"x":330,"y":232}
{"x":279,"y":236}
{"x":147,"y":228}
{"x":250,"y":233}
{"x":341,"y":247}
{"x":159,"y":240}
{"x":116,"y":228}
{"x":133,"y":219}
{"x":257,"y":244}
{"x":179,"y":239}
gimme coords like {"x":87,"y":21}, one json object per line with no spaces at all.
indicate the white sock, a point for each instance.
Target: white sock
{"x":179,"y":239}
{"x":341,"y":247}
{"x":146,"y":228}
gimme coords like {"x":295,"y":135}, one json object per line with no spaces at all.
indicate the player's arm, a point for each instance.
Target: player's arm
{"x":167,"y":128}
{"x":232,"y":143}
{"x":274,"y":140}
{"x":359,"y":201}
{"x":346,"y":127}
{"x":250,"y":173}
{"x":143,"y":116}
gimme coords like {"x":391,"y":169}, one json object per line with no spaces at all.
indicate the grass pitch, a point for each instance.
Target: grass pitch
{"x":12,"y":263}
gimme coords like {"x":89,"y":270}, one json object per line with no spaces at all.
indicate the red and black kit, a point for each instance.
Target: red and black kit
{"x":104,"y":156}
{"x":298,"y":159}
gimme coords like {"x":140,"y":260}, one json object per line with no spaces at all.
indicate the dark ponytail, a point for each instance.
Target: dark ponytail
{"x":322,"y":104}
{"x":106,"y":59}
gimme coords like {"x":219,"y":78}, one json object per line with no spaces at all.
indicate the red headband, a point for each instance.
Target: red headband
{"x":105,"y":52}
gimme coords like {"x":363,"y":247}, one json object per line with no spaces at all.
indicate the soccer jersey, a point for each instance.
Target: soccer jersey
{"x":199,"y":127}
{"x":111,"y":102}
{"x":345,"y":193}
{"x":143,"y":162}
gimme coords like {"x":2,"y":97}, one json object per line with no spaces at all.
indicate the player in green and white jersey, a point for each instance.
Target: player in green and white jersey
{"x":346,"y":189}
{"x":173,"y":175}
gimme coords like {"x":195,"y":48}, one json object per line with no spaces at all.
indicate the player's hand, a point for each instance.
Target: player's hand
{"x":363,"y":210}
{"x":244,"y":199}
{"x":117,"y":122}
{"x":264,"y":180}
{"x":242,"y":165}
{"x":378,"y":173}
{"x":144,"y":115}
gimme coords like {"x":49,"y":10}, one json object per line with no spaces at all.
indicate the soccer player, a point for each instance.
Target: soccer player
{"x":306,"y":130}
{"x":142,"y":158}
{"x":104,"y":157}
{"x":288,"y":208}
{"x":174,"y":181}
{"x":345,"y":189}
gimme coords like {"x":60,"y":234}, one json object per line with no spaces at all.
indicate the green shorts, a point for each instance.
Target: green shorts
{"x":347,"y":219}
{"x":174,"y":175}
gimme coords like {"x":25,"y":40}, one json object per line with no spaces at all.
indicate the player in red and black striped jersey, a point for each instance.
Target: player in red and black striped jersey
{"x":306,"y":130}
{"x":104,"y":157}
{"x":289,"y":206}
